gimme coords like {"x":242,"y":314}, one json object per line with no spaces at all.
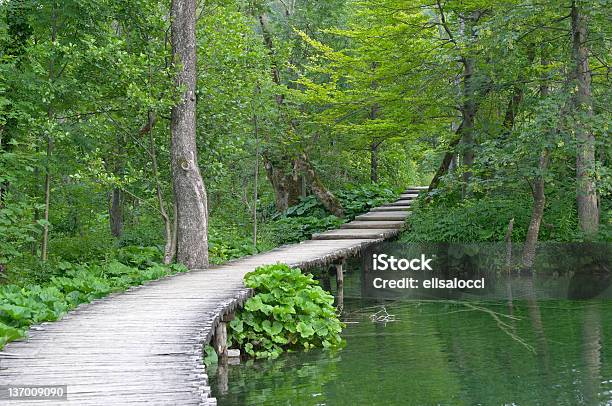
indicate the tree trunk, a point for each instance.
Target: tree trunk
{"x":537,"y":213}
{"x":449,"y":155}
{"x":374,"y":110}
{"x":45,"y":236}
{"x":539,"y":198}
{"x":3,"y":185}
{"x":374,"y":161}
{"x":468,"y":112}
{"x":116,"y":213}
{"x":327,"y":198}
{"x":169,"y":226}
{"x":256,"y":179}
{"x":286,"y":188}
{"x":586,"y":192}
{"x":116,"y":206}
{"x":189,"y":190}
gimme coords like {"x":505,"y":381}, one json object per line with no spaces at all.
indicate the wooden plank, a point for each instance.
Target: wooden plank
{"x":383,"y":216}
{"x":391,"y":208}
{"x":347,"y":234}
{"x":399,"y":203}
{"x":373,"y":224}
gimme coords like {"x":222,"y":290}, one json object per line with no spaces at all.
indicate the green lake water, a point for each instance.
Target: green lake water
{"x":549,"y":352}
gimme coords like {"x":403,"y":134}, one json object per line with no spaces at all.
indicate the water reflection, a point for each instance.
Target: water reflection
{"x":519,"y":350}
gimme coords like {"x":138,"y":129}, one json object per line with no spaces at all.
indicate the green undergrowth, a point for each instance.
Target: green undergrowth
{"x":486,"y":220}
{"x":288,"y":312}
{"x":23,"y":306}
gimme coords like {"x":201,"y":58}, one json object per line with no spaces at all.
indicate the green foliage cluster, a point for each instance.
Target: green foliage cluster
{"x":289,"y":311}
{"x":23,"y":306}
{"x":15,"y":233}
{"x":309,"y":216}
{"x":224,"y":245}
{"x":480,"y":220}
{"x":359,"y":199}
{"x":289,"y":230}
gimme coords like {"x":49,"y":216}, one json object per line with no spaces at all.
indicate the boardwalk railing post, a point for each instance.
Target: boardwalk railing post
{"x":340,"y":273}
{"x":340,"y":285}
{"x":220,"y":340}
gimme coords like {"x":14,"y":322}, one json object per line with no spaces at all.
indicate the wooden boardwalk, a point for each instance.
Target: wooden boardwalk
{"x":144,"y":346}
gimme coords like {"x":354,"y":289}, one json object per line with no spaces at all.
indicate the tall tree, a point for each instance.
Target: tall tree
{"x":586,"y":192}
{"x":189,"y":190}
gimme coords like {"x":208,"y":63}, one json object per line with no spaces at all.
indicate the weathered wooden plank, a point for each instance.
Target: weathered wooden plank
{"x":405,"y":202}
{"x":347,"y":234}
{"x":373,"y":224}
{"x":391,"y":208}
{"x":383,"y":216}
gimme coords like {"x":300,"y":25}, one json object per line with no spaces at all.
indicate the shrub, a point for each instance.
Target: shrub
{"x":139,"y":257}
{"x":295,"y":229}
{"x":486,"y":219}
{"x":360,"y":199}
{"x":288,"y":312}
{"x":15,"y":231}
{"x":227,"y":244}
{"x":81,"y":248}
{"x":467,"y":221}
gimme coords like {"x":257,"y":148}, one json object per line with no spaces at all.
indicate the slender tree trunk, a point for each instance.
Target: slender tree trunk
{"x":36,"y":217}
{"x":169,"y":229}
{"x":539,"y":198}
{"x":374,"y":161}
{"x":256,"y":186}
{"x":116,"y":206}
{"x":189,"y":190}
{"x":3,"y":185}
{"x":116,"y":213}
{"x":449,"y":155}
{"x":45,"y":236}
{"x":586,"y":193}
{"x":468,"y":111}
{"x":537,"y":213}
{"x":465,"y":131}
{"x":374,"y":113}
{"x":50,"y":116}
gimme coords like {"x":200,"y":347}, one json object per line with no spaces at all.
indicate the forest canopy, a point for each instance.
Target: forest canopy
{"x":306,"y":113}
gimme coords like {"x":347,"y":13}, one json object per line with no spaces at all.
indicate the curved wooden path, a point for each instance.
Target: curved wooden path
{"x":144,"y":346}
